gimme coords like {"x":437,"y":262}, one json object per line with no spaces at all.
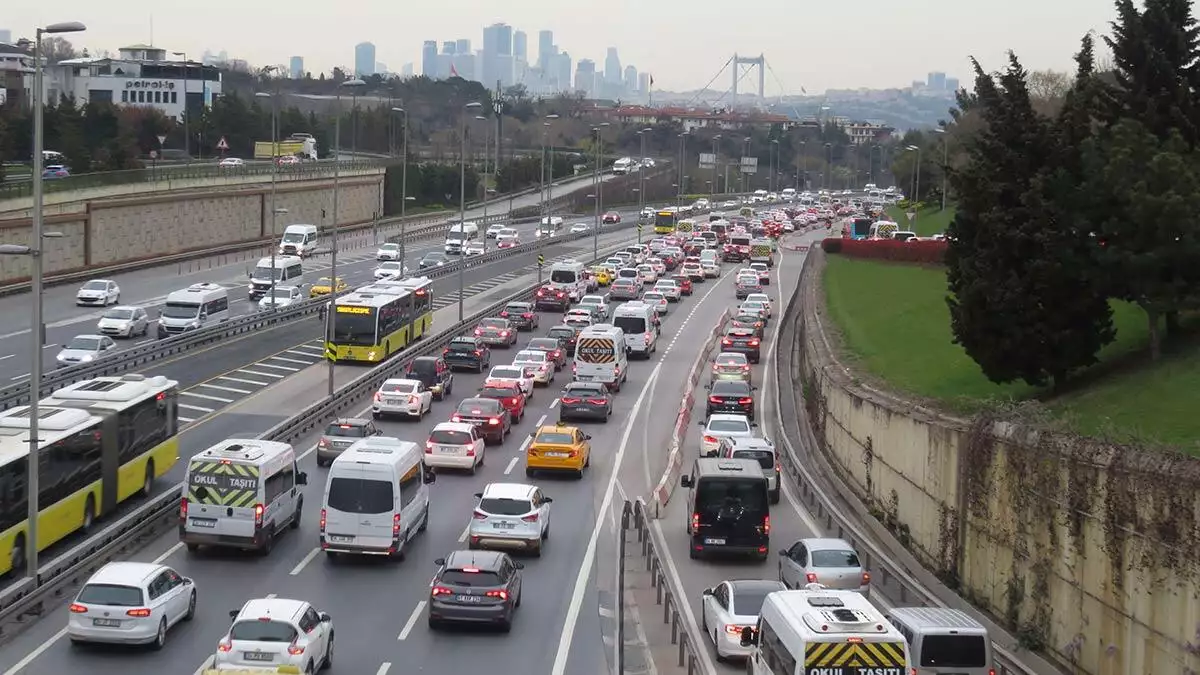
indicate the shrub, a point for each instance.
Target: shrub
{"x":924,"y":252}
{"x":831,"y":245}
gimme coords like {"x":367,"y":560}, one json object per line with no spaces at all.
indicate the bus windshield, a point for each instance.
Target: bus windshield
{"x":354,"y":325}
{"x":664,"y":219}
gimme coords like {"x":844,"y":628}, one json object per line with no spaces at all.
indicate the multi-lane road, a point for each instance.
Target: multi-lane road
{"x":378,"y":608}
{"x":149,"y":287}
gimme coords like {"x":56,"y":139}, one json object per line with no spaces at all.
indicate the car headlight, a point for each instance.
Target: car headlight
{"x":87,"y":357}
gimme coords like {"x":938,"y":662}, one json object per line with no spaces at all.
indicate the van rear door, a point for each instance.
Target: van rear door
{"x":732,"y":511}
{"x":360,"y":507}
{"x":221,"y":498}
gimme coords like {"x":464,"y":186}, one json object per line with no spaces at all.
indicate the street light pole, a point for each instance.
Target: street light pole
{"x":642,"y":174}
{"x":598,"y":204}
{"x":403,"y":177}
{"x":274,"y":97}
{"x":187,"y":137}
{"x":716,"y":151}
{"x":462,"y":199}
{"x":945,"y":161}
{"x":37,"y":332}
{"x":487,"y":132}
{"x":745,"y":154}
{"x":544,"y":194}
{"x":331,"y":331}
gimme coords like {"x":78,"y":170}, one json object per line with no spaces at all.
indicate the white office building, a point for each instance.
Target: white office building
{"x":140,"y":75}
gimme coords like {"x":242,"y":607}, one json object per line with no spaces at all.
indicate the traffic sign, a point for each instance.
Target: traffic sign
{"x":541,"y":260}
{"x":162,"y":140}
{"x":911,"y":215}
{"x":639,"y":227}
{"x":222,"y":144}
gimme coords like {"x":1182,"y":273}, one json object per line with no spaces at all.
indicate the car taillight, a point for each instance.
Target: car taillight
{"x":715,"y":399}
{"x":733,"y":629}
{"x":596,"y":401}
{"x":710,"y":439}
{"x":439,"y":590}
{"x":810,"y":578}
{"x":183,"y":507}
{"x":258,"y":515}
{"x":478,"y":352}
{"x":478,"y":332}
{"x":503,"y":333}
{"x":531,"y":518}
{"x":141,"y":612}
{"x":557,"y":353}
{"x":512,"y":401}
{"x":77,"y":608}
{"x":527,"y":315}
{"x":470,"y":451}
{"x":541,"y":293}
{"x":726,"y":342}
{"x":428,"y":448}
{"x":493,"y":421}
{"x":378,"y":396}
{"x":766,"y":526}
{"x":324,"y":443}
{"x":321,"y":525}
{"x":560,"y":294}
{"x":866,"y":578}
{"x":396,"y":525}
{"x":295,"y":649}
{"x":695,"y":521}
{"x":455,"y":418}
{"x":754,"y":343}
{"x":503,"y":595}
{"x":224,"y":646}
{"x":504,"y":315}
{"x":569,"y":400}
{"x":479,"y":515}
{"x":647,"y":336}
{"x":745,"y":401}
{"x":445,"y":352}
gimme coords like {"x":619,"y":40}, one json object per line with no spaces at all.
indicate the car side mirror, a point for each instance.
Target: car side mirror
{"x":325,"y":618}
{"x":429,"y":477}
{"x":478,"y":495}
{"x":699,"y":423}
{"x":753,"y":388}
{"x":233,"y":613}
{"x":708,"y":591}
{"x":187,"y":581}
{"x":587,"y":437}
{"x":440,"y":562}
{"x":707,"y":387}
{"x":748,"y":637}
{"x":548,"y":500}
{"x":754,"y":424}
{"x":302,"y":478}
{"x":685,"y":480}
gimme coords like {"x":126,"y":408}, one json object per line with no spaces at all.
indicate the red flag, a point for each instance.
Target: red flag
{"x":453,"y":72}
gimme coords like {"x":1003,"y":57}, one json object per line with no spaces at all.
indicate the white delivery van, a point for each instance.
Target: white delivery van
{"x":299,"y":240}
{"x":376,"y":498}
{"x":601,"y":355}
{"x":459,"y":235}
{"x":197,"y":306}
{"x":637,"y":323}
{"x":568,"y":276}
{"x":288,"y":271}
{"x":241,"y":493}
{"x":622,"y":166}
{"x":942,"y":641}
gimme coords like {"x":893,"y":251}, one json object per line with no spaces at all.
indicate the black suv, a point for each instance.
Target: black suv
{"x":492,"y":418}
{"x":566,"y":335}
{"x":467,"y":351}
{"x":434,"y":373}
{"x":742,"y":341}
{"x":475,"y":587}
{"x":730,"y":396}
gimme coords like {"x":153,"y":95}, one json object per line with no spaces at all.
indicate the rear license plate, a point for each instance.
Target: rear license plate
{"x":556,"y":454}
{"x":106,"y":623}
{"x":447,"y":450}
{"x":504,"y":526}
{"x":394,"y":401}
{"x":204,"y":522}
{"x":339,"y":539}
{"x":470,"y":599}
{"x":714,"y":541}
{"x":258,"y":656}
{"x":584,"y":378}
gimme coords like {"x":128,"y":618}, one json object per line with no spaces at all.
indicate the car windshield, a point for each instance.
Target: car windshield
{"x":385,"y":266}
{"x":478,"y":406}
{"x":554,"y":438}
{"x":472,"y":579}
{"x":747,"y":318}
{"x":346,"y":430}
{"x":110,"y":594}
{"x":835,"y":558}
{"x":498,"y":392}
{"x":90,"y":344}
{"x":729,"y":426}
{"x":953,"y":651}
{"x":450,"y":437}
{"x":432,"y":257}
{"x":505,"y":507}
{"x":544,"y":344}
{"x":591,"y":300}
{"x":390,"y":247}
{"x":562,"y":332}
{"x":516,"y":308}
{"x":119,"y":313}
{"x":360,"y":495}
{"x":462,"y":345}
{"x":749,"y":602}
{"x":530,"y":356}
{"x":753,"y":306}
{"x":765,"y":458}
{"x":584,"y":390}
{"x":507,"y":373}
{"x":262,"y":631}
{"x":399,"y":388}
{"x":492,"y":323}
{"x":95,"y":286}
{"x":653,"y":296}
{"x":281,"y":293}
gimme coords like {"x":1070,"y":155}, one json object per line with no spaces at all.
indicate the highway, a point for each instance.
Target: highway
{"x":378,"y":606}
{"x":149,"y":287}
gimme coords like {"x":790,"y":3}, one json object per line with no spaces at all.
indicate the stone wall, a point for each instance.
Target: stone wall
{"x":1087,"y":551}
{"x":115,"y":230}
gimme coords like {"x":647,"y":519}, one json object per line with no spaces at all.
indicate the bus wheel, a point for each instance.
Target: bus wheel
{"x":148,"y":480}
{"x":89,"y":514}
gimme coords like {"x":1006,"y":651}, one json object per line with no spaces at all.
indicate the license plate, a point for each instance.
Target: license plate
{"x":394,"y":401}
{"x":584,"y":378}
{"x":204,"y":522}
{"x":339,"y":539}
{"x":446,"y":450}
{"x":556,"y":454}
{"x":106,"y":623}
{"x":504,"y":526}
{"x":714,"y":541}
{"x":258,"y":656}
{"x":466,"y":598}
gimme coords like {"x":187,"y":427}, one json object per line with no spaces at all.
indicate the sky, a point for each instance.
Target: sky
{"x":683,"y":43}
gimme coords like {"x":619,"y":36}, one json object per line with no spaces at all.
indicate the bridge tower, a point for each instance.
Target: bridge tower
{"x":741,"y":65}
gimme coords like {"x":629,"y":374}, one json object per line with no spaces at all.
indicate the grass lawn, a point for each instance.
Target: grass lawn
{"x":895,"y":324}
{"x":929,"y":221}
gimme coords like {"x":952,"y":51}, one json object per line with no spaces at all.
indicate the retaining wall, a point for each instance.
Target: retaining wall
{"x":1087,"y":551}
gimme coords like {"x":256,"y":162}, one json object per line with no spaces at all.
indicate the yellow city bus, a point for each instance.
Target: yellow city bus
{"x":664,"y":222}
{"x":379,"y":320}
{"x":102,"y":441}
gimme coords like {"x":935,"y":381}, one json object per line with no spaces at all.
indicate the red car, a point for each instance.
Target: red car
{"x":508,"y":243}
{"x":685,"y":283}
{"x":610,"y":218}
{"x":509,"y":395}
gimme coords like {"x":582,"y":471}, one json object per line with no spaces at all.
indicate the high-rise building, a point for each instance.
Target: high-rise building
{"x":631,"y":80}
{"x":546,"y":49}
{"x":429,"y":59}
{"x":520,"y":46}
{"x":364,"y":59}
{"x":952,"y":84}
{"x":497,"y":54}
{"x":463,"y":46}
{"x":585,"y":77}
{"x":449,"y":47}
{"x":295,"y":66}
{"x":936,"y":81}
{"x":644,"y":84}
{"x":562,"y":71}
{"x":406,"y":70}
{"x":6,"y":36}
{"x":612,"y":66}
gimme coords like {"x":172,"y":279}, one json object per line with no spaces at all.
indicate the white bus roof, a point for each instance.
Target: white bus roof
{"x":110,"y":393}
{"x":412,"y":283}
{"x":54,"y":424}
{"x":360,"y":298}
{"x":242,"y":451}
{"x":280,"y":261}
{"x":820,"y":614}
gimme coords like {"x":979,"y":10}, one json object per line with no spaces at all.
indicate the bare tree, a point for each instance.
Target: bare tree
{"x":1047,"y":88}
{"x":55,"y":49}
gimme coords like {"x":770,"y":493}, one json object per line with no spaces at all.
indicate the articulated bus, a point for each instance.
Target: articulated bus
{"x":102,"y":442}
{"x":664,"y":222}
{"x":379,"y":320}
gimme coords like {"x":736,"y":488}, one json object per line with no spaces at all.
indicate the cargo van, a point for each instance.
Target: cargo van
{"x":568,"y":276}
{"x":376,"y":498}
{"x":944,"y":641}
{"x":459,"y":235}
{"x":299,"y":240}
{"x":638,"y":323}
{"x":241,"y":493}
{"x":288,"y":271}
{"x":601,"y":355}
{"x":728,"y":508}
{"x":195,"y":307}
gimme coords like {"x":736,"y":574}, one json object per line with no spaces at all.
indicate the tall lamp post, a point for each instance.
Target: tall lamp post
{"x":544,"y":192}
{"x":745,"y":154}
{"x":487,"y":133}
{"x":598,"y":204}
{"x":682,"y":161}
{"x":642,"y":176}
{"x":945,"y":161}
{"x":828,"y":166}
{"x":403,"y":175}
{"x":716,"y":150}
{"x":804,"y":167}
{"x":916,"y":182}
{"x":187,"y":137}
{"x":274,"y":98}
{"x":462,"y":194}
{"x":774,"y":162}
{"x":331,"y":329}
{"x":37,"y":330}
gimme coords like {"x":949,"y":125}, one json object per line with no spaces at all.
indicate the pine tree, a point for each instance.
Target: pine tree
{"x":1023,"y":302}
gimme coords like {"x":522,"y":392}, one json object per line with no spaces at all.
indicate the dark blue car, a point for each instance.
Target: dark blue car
{"x":468,"y":352}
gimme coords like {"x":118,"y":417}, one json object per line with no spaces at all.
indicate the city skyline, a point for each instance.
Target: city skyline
{"x":800,"y":57}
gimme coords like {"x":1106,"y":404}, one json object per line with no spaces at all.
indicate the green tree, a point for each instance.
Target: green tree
{"x":1022,"y":304}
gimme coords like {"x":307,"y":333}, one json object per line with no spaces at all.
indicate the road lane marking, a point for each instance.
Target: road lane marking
{"x":553,"y":404}
{"x":297,"y":352}
{"x":193,"y":407}
{"x":232,"y":390}
{"x":29,"y":658}
{"x":465,"y":533}
{"x":541,"y":421}
{"x":168,"y":553}
{"x":383,"y":668}
{"x":511,"y":464}
{"x":412,"y":620}
{"x":242,"y":381}
{"x":303,"y":562}
{"x":20,"y":377}
{"x":263,"y":364}
{"x":189,"y":420}
{"x":287,"y":360}
{"x":218,"y":399}
{"x":272,"y":596}
{"x":53,"y":344}
{"x":208,"y":663}
{"x":247,"y":371}
{"x":5,"y":358}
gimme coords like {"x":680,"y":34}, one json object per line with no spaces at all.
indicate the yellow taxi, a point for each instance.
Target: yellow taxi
{"x":324,"y":284}
{"x":604,"y":275}
{"x":558,"y":448}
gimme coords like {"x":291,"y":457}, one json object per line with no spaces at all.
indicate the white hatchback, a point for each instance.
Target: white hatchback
{"x":402,"y":397}
{"x":670,"y":288}
{"x":131,"y":603}
{"x":760,"y":298}
{"x":536,"y":364}
{"x":455,"y":445}
{"x":388,"y":251}
{"x":510,"y":515}
{"x":99,"y":292}
{"x":512,"y":374}
{"x":272,"y":632}
{"x":723,"y":425}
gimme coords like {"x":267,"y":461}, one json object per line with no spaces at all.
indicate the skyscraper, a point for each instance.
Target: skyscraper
{"x":562,"y":71}
{"x":585,"y":77}
{"x":497,"y":54}
{"x":546,"y":50}
{"x":429,"y":59}
{"x":295,"y":67}
{"x":364,"y":59}
{"x":6,"y":36}
{"x":520,"y":46}
{"x":407,"y":70}
{"x":462,"y":46}
{"x":952,"y":84}
{"x":937,"y":81}
{"x":644,"y":84}
{"x":449,"y":47}
{"x":631,"y":80}
{"x":612,"y":66}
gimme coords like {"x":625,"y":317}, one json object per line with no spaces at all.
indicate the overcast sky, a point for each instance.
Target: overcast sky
{"x":684,"y":43}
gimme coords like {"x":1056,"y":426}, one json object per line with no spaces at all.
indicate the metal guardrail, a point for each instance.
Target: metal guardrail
{"x":138,"y":356}
{"x":30,"y":596}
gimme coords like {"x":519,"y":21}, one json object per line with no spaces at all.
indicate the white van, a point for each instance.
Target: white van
{"x":622,"y":166}
{"x":942,"y":640}
{"x":568,"y":276}
{"x":459,"y":235}
{"x":376,"y":498}
{"x":601,"y":355}
{"x":197,"y":306}
{"x":299,"y":240}
{"x":288,"y":271}
{"x":637,"y":323}
{"x":241,"y":493}
{"x":816,"y":630}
